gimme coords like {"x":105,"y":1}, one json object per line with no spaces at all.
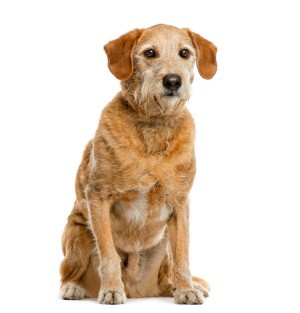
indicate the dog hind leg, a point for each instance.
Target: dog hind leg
{"x":77,"y":248}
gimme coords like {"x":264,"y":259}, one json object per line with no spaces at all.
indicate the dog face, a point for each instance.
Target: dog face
{"x":156,"y":65}
{"x":163,"y":59}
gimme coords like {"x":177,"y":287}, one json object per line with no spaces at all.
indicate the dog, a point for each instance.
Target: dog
{"x":128,"y":233}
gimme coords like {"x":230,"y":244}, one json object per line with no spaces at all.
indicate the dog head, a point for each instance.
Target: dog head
{"x":155,"y":66}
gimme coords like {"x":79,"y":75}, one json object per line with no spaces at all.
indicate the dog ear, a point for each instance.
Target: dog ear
{"x":120,"y":54}
{"x":206,"y":55}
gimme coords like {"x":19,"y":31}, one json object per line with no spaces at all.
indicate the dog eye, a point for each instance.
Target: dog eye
{"x":150,"y":53}
{"x":184,"y":53}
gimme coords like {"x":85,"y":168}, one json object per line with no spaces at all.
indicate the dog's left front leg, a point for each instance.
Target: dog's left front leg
{"x":178,"y":227}
{"x":111,"y":288}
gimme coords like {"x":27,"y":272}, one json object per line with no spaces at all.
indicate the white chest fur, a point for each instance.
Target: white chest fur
{"x":138,"y":210}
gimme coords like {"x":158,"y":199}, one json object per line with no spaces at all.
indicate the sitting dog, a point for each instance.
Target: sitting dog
{"x":128,"y":233}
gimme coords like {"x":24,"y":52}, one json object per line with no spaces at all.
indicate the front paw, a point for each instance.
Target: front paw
{"x":188,"y":296}
{"x":112,"y":296}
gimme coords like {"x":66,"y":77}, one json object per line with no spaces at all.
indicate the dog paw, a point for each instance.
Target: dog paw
{"x":112,"y":296}
{"x":202,"y":289}
{"x":189,"y":296}
{"x":71,"y":291}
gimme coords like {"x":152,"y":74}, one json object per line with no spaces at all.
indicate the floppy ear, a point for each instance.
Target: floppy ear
{"x":206,"y":55}
{"x":120,"y":54}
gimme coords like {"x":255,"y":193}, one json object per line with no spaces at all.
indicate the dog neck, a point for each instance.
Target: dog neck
{"x":156,"y":132}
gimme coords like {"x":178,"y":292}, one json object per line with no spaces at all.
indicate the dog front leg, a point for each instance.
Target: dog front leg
{"x":111,"y":288}
{"x":178,"y":228}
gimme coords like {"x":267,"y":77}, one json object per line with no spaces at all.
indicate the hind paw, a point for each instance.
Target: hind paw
{"x":71,"y":291}
{"x":189,"y":296}
{"x":202,"y":289}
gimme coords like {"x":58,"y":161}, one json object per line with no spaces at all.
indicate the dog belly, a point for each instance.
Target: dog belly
{"x":138,"y":234}
{"x":130,"y":238}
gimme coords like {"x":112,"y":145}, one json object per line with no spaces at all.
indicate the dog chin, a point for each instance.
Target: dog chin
{"x":165,"y":104}
{"x":171,"y":100}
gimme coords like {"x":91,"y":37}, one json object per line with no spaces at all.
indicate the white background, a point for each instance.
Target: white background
{"x":54,"y":83}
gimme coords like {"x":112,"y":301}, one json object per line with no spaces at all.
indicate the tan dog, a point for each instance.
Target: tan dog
{"x":128,"y":233}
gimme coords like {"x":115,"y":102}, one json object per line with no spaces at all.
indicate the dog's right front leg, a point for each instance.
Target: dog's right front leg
{"x":111,"y":288}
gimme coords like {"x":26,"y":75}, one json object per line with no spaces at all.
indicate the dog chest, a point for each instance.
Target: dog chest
{"x":143,"y":205}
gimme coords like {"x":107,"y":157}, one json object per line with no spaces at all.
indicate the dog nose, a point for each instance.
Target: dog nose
{"x":172,"y":82}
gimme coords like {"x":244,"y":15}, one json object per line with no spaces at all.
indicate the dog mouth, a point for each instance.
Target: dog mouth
{"x":171,"y":94}
{"x":159,"y":99}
